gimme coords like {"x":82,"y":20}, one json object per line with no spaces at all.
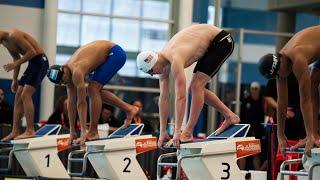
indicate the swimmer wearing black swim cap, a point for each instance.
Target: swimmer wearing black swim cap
{"x":301,"y":50}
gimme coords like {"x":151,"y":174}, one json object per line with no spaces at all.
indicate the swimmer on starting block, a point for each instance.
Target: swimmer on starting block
{"x":205,"y":44}
{"x":104,"y":59}
{"x":301,"y":50}
{"x":23,"y":48}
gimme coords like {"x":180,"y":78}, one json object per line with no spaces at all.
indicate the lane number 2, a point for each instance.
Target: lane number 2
{"x":128,"y":164}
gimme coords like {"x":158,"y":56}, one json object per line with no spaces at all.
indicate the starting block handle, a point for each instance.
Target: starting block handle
{"x":299,"y":150}
{"x":283,"y":170}
{"x":294,"y":173}
{"x":71,"y":160}
{"x":160,"y":163}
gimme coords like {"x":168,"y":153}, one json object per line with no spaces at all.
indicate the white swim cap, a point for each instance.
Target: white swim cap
{"x":146,"y":60}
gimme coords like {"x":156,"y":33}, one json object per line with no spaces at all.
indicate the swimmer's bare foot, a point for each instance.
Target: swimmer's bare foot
{"x":130,"y":114}
{"x":186,"y":136}
{"x":234,"y":119}
{"x":73,"y":137}
{"x":92,"y":135}
{"x":26,"y":134}
{"x":82,"y":139}
{"x":11,"y":136}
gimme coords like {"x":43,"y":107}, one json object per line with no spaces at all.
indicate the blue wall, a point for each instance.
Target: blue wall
{"x":24,"y":3}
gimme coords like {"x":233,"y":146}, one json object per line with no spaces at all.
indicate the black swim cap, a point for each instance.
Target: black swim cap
{"x":269,"y":65}
{"x":55,"y":74}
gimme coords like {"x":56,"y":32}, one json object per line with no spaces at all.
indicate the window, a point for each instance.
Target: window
{"x":126,"y":33}
{"x":135,"y":25}
{"x":93,"y":29}
{"x":68,"y":29}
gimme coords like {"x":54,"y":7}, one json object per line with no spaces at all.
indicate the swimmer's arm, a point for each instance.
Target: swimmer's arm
{"x":27,"y":47}
{"x":282,"y":88}
{"x":16,"y":70}
{"x":163,"y":101}
{"x":72,"y":109}
{"x":270,"y":101}
{"x":301,"y":71}
{"x":78,"y":81}
{"x":177,"y":70}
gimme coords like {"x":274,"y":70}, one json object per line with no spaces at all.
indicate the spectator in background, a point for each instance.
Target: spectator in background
{"x":294,"y":129}
{"x":60,"y":113}
{"x":138,"y":118}
{"x":107,"y":116}
{"x":252,"y":112}
{"x":6,"y":111}
{"x":246,"y":94}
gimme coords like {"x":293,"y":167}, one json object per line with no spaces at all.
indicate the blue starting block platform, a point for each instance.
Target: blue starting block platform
{"x":236,"y":130}
{"x":131,"y":130}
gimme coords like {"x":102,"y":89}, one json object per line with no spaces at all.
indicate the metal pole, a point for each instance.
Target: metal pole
{"x":217,"y":13}
{"x":50,"y":47}
{"x":213,"y":86}
{"x":239,"y":72}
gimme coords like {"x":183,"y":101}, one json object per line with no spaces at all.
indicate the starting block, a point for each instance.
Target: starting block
{"x":15,"y":146}
{"x":215,"y":157}
{"x":96,"y":150}
{"x":311,"y":165}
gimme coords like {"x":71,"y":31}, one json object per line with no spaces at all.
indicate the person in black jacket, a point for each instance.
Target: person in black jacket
{"x":60,"y":113}
{"x":6,"y":111}
{"x":108,"y":117}
{"x":252,"y":112}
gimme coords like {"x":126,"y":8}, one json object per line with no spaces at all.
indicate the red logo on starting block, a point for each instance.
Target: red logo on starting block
{"x":145,"y":145}
{"x":63,"y":144}
{"x":247,"y":148}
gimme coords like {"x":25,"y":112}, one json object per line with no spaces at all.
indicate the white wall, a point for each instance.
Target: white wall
{"x":23,"y":18}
